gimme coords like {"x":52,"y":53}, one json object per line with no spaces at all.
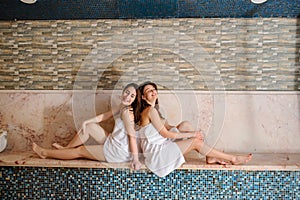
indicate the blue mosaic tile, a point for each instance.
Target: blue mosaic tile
{"x":75,"y":183}
{"x":238,"y":8}
{"x":148,"y":9}
{"x":135,"y":9}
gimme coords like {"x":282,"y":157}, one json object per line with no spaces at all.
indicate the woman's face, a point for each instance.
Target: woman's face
{"x":150,"y":94}
{"x":128,"y":96}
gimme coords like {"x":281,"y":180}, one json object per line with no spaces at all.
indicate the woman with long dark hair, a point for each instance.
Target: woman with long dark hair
{"x":164,"y":149}
{"x":119,"y":146}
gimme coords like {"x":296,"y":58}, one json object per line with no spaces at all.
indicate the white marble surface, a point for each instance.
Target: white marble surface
{"x":44,"y":117}
{"x":263,"y":122}
{"x":266,"y":122}
{"x":260,"y":161}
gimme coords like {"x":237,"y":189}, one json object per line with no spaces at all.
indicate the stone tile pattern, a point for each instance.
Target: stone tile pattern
{"x":238,"y":54}
{"x":81,"y":183}
{"x":150,"y":9}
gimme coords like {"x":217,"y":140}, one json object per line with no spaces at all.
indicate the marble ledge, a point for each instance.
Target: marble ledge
{"x":177,"y":91}
{"x":259,"y":162}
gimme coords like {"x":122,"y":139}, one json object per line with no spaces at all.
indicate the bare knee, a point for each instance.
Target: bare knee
{"x":90,"y":127}
{"x":185,"y":126}
{"x":96,"y":132}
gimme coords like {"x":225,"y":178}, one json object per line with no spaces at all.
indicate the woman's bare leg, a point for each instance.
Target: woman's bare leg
{"x":212,"y":160}
{"x":94,"y":152}
{"x":211,"y":152}
{"x":198,"y":145}
{"x":186,"y":126}
{"x":96,"y":132}
{"x":78,"y":139}
{"x":93,"y":130}
{"x":186,"y":146}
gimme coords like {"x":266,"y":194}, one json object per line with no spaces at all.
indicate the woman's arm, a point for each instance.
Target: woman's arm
{"x":128,"y":119}
{"x":168,"y":126}
{"x":97,"y":119}
{"x":100,"y":118}
{"x":160,"y":126}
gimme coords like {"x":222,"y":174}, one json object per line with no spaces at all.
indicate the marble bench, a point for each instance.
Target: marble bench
{"x":263,"y":123}
{"x":260,"y":161}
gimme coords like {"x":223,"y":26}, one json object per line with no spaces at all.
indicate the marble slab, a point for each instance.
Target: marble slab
{"x":260,"y":161}
{"x":256,"y":122}
{"x":262,"y":122}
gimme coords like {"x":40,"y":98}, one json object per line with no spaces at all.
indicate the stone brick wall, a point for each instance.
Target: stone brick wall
{"x":189,"y":53}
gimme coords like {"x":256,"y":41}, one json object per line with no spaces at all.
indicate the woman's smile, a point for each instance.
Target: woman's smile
{"x":150,"y":93}
{"x":128,"y":96}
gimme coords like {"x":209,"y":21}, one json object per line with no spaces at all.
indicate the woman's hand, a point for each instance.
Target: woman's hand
{"x":136,"y":164}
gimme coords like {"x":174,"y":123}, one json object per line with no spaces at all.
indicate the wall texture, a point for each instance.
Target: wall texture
{"x":189,"y":53}
{"x":137,"y":9}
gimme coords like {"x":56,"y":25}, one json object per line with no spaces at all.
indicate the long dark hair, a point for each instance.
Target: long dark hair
{"x":140,"y":104}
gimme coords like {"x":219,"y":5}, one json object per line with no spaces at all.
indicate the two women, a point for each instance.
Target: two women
{"x":163,"y":146}
{"x":119,"y":146}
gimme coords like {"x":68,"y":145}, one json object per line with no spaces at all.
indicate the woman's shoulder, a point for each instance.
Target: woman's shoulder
{"x":150,"y":110}
{"x":126,"y":112}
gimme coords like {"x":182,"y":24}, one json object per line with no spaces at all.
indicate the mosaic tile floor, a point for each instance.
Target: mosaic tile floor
{"x":267,"y":176}
{"x":83,"y":183}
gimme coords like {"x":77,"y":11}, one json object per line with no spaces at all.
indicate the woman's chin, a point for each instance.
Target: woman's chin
{"x":125,"y":103}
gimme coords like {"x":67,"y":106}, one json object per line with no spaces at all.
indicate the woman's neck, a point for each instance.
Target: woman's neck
{"x":151,"y":103}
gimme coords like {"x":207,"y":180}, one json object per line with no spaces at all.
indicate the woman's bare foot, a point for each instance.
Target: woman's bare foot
{"x":58,"y":146}
{"x":38,"y":150}
{"x":237,"y":160}
{"x":211,"y":160}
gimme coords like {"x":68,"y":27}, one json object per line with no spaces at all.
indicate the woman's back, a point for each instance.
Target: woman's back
{"x":145,"y":119}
